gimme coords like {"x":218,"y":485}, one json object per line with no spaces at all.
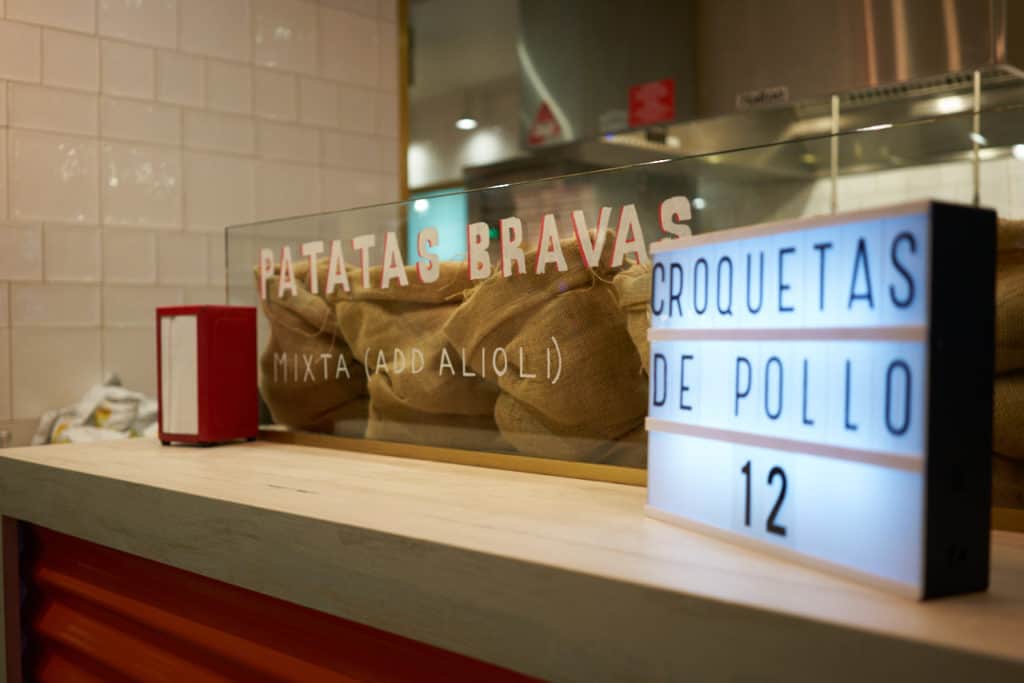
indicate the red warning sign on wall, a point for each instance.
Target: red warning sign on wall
{"x":651,"y":103}
{"x":545,"y":126}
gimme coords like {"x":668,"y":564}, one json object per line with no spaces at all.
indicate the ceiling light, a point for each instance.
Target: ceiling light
{"x":466,"y":122}
{"x":879,"y":126}
{"x":420,"y":206}
{"x":978,"y":138}
{"x":1018,"y":152}
{"x":698,"y":203}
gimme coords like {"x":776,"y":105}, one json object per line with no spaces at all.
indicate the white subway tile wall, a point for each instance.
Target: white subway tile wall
{"x":72,"y":253}
{"x":128,"y":70}
{"x":71,"y":60}
{"x":133,"y":131}
{"x":228,"y":87}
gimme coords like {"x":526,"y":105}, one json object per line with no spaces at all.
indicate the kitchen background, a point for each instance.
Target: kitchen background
{"x":133,"y":131}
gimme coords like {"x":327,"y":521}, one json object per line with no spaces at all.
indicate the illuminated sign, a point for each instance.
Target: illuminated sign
{"x":821,"y":389}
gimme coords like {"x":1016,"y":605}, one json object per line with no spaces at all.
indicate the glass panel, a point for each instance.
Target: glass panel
{"x":524,"y":333}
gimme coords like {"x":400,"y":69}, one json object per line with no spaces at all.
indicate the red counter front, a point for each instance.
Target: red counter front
{"x":91,"y":613}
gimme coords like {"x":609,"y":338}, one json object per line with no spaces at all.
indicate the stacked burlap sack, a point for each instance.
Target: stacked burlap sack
{"x":633,"y":290}
{"x":418,"y":390}
{"x":595,"y":408}
{"x":303,"y":327}
{"x":1008,"y":415}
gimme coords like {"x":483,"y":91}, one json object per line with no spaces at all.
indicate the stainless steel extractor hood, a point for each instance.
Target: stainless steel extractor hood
{"x":749,"y":72}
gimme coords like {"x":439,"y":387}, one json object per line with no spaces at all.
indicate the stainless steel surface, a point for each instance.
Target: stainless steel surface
{"x":887,"y":61}
{"x":581,"y":56}
{"x":814,"y":49}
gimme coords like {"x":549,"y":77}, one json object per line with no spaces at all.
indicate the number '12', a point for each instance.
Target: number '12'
{"x":770,"y":524}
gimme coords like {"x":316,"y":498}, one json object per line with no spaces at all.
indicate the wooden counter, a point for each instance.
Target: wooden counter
{"x":557,"y":578}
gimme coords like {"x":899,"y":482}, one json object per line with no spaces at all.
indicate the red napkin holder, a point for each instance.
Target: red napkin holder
{"x":207,"y":374}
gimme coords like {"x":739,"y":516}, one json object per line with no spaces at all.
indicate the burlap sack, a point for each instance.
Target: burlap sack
{"x":601,"y":391}
{"x":418,"y":390}
{"x":1010,"y":319}
{"x":1009,"y":235}
{"x":1008,"y":415}
{"x":300,"y":377}
{"x":628,"y":451}
{"x":633,"y":289}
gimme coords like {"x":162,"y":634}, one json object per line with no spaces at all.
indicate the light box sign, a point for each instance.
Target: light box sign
{"x":822,"y":389}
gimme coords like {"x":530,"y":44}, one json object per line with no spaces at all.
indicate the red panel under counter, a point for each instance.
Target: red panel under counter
{"x":97,"y":614}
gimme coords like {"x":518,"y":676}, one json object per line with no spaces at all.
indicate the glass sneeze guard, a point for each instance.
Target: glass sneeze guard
{"x":517,"y":338}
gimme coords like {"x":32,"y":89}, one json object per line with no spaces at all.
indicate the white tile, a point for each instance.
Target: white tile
{"x":59,"y":111}
{"x":129,"y":256}
{"x":180,"y":78}
{"x":154,"y":22}
{"x":182,"y":258}
{"x":219,"y":191}
{"x":5,"y":373}
{"x":367,"y":8}
{"x":219,"y":28}
{"x":131,"y":355}
{"x":19,"y":51}
{"x":390,"y":159}
{"x":71,"y":60}
{"x":217,"y":268}
{"x":388,"y":60}
{"x":228,"y":87}
{"x":219,"y":132}
{"x":282,"y":142}
{"x":387,"y":10}
{"x":54,"y":306}
{"x":956,"y":173}
{"x":1016,"y":172}
{"x":284,"y":34}
{"x":318,"y":103}
{"x":128,"y":70}
{"x":142,"y":121}
{"x":53,"y":178}
{"x":275,"y":95}
{"x":199,"y":296}
{"x":357,"y":109}
{"x":49,"y":305}
{"x":72,"y":254}
{"x":52,"y":368}
{"x":21,"y":252}
{"x":136,"y":306}
{"x":352,"y":151}
{"x":141,"y":185}
{"x":386,"y":114}
{"x":5,"y":310}
{"x":284,"y":190}
{"x":349,"y":47}
{"x":337,"y":191}
{"x":77,"y":15}
{"x":4,"y":189}
{"x":349,"y":189}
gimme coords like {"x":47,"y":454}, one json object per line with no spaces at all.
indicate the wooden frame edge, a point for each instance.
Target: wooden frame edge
{"x":1008,"y":519}
{"x":615,"y":474}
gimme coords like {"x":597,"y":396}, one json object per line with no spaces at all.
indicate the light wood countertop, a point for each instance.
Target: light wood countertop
{"x":559,"y":578}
